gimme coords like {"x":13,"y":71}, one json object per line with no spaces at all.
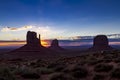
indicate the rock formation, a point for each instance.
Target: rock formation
{"x":33,"y":43}
{"x":32,"y":39}
{"x":33,"y":48}
{"x":101,"y":42}
{"x":55,"y":45}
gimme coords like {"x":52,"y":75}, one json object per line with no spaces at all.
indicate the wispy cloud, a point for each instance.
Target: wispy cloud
{"x":46,"y":32}
{"x":5,"y":29}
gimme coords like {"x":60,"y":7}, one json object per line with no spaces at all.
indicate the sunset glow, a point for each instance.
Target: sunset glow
{"x":58,"y":19}
{"x":12,"y":43}
{"x":20,"y":43}
{"x":45,"y":43}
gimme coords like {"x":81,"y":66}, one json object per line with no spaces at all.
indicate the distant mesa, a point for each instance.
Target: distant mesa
{"x":55,"y":45}
{"x":101,"y":42}
{"x":34,"y":49}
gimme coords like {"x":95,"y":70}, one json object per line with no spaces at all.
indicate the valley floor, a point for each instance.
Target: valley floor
{"x":94,"y":66}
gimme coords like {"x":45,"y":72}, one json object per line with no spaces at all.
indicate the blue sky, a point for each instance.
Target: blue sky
{"x":58,"y":18}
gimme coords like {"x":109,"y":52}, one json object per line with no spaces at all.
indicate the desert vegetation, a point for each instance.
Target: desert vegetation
{"x":96,"y":66}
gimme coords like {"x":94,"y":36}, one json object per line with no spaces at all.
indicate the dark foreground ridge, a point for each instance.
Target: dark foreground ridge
{"x":96,"y":66}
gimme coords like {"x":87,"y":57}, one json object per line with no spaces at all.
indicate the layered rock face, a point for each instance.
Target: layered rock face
{"x":101,"y":42}
{"x":32,"y":38}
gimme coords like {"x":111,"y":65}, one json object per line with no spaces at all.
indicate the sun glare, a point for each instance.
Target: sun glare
{"x":45,"y":43}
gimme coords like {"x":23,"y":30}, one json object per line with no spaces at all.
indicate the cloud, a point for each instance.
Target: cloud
{"x":42,"y":29}
{"x":5,"y":29}
{"x":46,"y":32}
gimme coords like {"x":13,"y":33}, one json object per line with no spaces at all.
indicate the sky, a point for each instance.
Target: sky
{"x":58,"y":18}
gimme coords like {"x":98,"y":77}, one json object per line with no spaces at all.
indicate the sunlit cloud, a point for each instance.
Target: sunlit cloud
{"x":5,"y":29}
{"x":41,"y":29}
{"x":46,"y":32}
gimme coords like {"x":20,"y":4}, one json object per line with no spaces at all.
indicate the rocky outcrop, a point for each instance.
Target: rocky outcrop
{"x":33,"y":48}
{"x":101,"y":42}
{"x":32,"y":39}
{"x":55,"y":45}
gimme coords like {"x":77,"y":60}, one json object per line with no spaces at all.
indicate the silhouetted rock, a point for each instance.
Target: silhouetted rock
{"x":55,"y":46}
{"x":32,"y":38}
{"x":33,"y":48}
{"x":55,"y":43}
{"x":101,"y":42}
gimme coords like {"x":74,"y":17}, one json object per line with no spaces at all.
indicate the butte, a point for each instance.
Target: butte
{"x":32,"y":48}
{"x":55,"y":46}
{"x":101,"y":43}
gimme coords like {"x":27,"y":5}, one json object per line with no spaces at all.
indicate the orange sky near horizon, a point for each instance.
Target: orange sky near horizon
{"x":20,"y":43}
{"x":46,"y":43}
